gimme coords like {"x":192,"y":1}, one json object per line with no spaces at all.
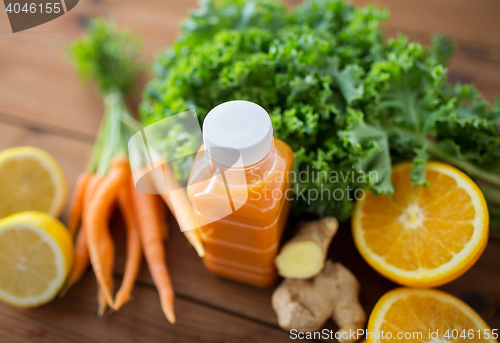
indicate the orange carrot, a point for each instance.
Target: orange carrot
{"x":81,"y":261}
{"x":108,"y":264}
{"x":100,"y":243}
{"x":183,"y":212}
{"x":81,"y":258}
{"x":134,"y":253}
{"x":162,"y":215}
{"x":101,"y":301}
{"x":105,"y":248}
{"x":76,"y":203}
{"x":154,"y":250}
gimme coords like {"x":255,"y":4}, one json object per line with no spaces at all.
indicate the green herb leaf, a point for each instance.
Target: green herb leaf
{"x":342,"y":98}
{"x":106,"y":54}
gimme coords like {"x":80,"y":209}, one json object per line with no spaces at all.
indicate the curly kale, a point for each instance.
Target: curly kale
{"x":346,"y":101}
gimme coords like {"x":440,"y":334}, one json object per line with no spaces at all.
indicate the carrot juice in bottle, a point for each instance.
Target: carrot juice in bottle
{"x":239,"y":186}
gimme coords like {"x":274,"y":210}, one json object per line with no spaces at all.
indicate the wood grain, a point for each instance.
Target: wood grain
{"x":46,"y":90}
{"x":39,"y":85}
{"x":193,"y":283}
{"x":469,"y":22}
{"x":373,"y":285}
{"x":187,"y":273}
{"x":71,"y":154}
{"x":43,"y":103}
{"x":156,"y":21}
{"x":73,"y":319}
{"x":225,"y":306}
{"x":192,"y":280}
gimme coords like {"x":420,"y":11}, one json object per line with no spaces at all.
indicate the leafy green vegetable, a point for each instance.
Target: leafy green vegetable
{"x":347,"y":102}
{"x":110,"y":56}
{"x":107,"y":54}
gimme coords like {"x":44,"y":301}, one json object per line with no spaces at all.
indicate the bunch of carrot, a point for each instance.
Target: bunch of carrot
{"x":109,"y":55}
{"x":91,"y":205}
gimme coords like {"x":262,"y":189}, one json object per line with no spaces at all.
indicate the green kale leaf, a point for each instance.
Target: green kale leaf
{"x":345,"y":100}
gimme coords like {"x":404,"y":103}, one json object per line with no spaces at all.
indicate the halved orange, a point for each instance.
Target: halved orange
{"x":426,"y":315}
{"x":424,"y":236}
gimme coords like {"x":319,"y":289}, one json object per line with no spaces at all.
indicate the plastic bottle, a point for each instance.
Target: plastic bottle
{"x":239,"y":185}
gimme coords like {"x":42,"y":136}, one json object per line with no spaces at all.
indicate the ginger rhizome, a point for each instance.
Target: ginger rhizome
{"x":304,"y":255}
{"x":306,"y":304}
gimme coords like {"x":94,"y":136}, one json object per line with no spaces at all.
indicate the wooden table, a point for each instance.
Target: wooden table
{"x":42,"y":103}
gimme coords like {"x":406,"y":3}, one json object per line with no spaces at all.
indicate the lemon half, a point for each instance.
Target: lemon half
{"x":36,"y":254}
{"x":31,"y":180}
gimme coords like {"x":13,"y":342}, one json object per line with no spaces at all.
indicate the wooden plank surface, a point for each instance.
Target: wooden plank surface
{"x":42,"y":103}
{"x":195,"y":284}
{"x":230,"y":311}
{"x":70,"y":153}
{"x":192,"y":280}
{"x":74,"y":319}
{"x":469,"y":22}
{"x":39,"y":85}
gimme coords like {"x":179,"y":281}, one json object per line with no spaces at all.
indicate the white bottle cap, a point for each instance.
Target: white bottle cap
{"x":237,"y":128}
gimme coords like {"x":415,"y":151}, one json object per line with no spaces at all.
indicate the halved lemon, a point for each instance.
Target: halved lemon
{"x":31,"y":180}
{"x":36,"y":254}
{"x":425,"y":236}
{"x":426,"y":315}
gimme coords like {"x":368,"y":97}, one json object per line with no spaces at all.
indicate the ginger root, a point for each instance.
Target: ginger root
{"x":304,"y":255}
{"x":305,"y":305}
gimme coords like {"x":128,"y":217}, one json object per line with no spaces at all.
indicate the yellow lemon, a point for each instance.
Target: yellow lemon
{"x":36,"y":254}
{"x":31,"y":180}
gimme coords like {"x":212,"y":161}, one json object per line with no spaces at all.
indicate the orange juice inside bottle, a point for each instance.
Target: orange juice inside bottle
{"x":239,"y":186}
